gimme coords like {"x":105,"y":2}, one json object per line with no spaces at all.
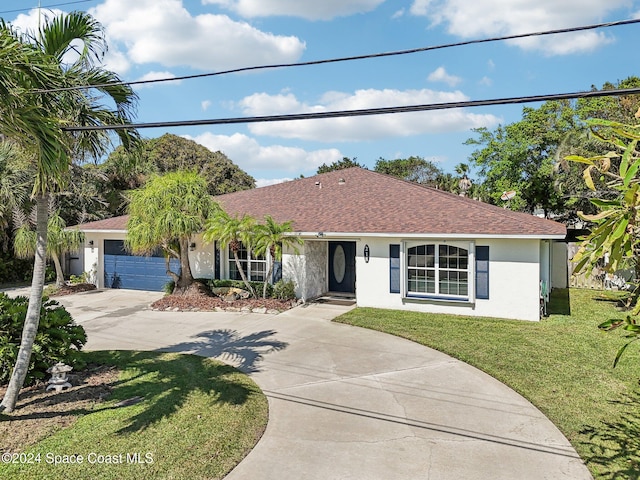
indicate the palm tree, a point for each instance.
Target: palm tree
{"x":273,"y":236}
{"x":165,"y":213}
{"x":14,"y":187}
{"x":60,"y":240}
{"x":232,"y":232}
{"x":42,"y":106}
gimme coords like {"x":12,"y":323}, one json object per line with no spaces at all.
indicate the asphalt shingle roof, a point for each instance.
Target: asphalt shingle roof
{"x":356,"y":200}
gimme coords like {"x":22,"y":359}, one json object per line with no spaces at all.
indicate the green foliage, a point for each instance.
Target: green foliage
{"x":346,"y":162}
{"x":412,"y":169}
{"x":616,"y":231}
{"x":128,"y":170}
{"x":211,"y":283}
{"x":273,"y":237}
{"x":232,"y":232}
{"x":58,"y":339}
{"x":77,"y":279}
{"x":14,"y":269}
{"x":284,"y":290}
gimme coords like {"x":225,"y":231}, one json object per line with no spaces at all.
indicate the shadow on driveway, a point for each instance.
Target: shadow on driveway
{"x":229,"y":346}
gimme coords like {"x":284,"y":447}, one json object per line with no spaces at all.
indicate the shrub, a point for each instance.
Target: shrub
{"x":59,"y":339}
{"x":257,"y":286}
{"x":14,"y":269}
{"x":284,"y":290}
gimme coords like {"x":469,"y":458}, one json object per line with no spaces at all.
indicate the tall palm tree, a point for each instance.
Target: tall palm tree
{"x":232,"y":232}
{"x":49,"y":49}
{"x":273,"y":236}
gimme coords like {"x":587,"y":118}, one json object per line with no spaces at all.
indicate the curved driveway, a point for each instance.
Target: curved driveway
{"x":345,"y":402}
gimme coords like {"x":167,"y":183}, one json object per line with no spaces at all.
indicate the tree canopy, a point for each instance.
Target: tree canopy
{"x":127,"y":170}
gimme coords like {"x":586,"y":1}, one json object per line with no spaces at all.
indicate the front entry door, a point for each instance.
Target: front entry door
{"x":342,"y":267}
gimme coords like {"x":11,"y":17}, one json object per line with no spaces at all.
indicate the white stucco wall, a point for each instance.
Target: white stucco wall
{"x":514,"y":276}
{"x":94,"y":254}
{"x":307,"y":269}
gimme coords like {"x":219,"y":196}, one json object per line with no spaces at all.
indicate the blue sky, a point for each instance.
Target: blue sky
{"x":168,"y":38}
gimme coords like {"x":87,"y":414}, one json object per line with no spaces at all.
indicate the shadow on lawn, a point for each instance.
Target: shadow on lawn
{"x":162,"y":382}
{"x":559,"y":302}
{"x":613,"y":449}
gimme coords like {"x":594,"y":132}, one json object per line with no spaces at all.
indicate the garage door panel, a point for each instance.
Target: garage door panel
{"x":123,"y":270}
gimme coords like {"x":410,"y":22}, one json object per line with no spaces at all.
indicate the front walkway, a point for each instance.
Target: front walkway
{"x":345,"y":402}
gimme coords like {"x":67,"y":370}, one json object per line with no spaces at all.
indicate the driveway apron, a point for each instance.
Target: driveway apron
{"x":346,"y":402}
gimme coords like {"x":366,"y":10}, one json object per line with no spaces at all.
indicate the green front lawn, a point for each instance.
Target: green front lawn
{"x":197,"y":419}
{"x":562,"y":364}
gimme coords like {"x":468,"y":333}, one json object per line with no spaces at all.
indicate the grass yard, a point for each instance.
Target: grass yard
{"x":197,"y":419}
{"x":562,"y":364}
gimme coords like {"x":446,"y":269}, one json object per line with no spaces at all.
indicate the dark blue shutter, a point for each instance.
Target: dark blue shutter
{"x":394,"y":268}
{"x":482,"y":272}
{"x":276,"y":275}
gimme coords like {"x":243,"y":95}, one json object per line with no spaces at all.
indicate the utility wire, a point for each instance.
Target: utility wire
{"x":356,"y":57}
{"x":363,"y":112}
{"x":45,"y":6}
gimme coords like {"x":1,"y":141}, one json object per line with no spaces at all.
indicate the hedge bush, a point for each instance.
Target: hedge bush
{"x":257,"y":286}
{"x":59,"y":339}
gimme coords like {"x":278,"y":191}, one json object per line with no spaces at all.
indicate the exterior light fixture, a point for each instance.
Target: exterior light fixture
{"x":91,"y":243}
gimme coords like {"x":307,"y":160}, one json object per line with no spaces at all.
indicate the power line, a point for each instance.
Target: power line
{"x":356,"y":57}
{"x":44,"y":6}
{"x":363,"y":112}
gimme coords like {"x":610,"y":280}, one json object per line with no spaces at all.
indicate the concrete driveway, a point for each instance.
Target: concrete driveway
{"x":345,"y":402}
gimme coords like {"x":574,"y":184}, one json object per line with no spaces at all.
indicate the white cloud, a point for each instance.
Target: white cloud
{"x":363,"y":128}
{"x":440,"y":75}
{"x":156,"y":76}
{"x":398,"y":14}
{"x":314,"y":10}
{"x":164,"y":32}
{"x":486,"y":81}
{"x":205,"y":104}
{"x":249,"y":155}
{"x":265,"y":182}
{"x":482,"y":18}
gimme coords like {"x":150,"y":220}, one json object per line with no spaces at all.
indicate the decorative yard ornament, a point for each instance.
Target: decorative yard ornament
{"x":58,"y":379}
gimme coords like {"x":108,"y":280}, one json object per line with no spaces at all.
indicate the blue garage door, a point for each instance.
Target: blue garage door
{"x":133,"y":272}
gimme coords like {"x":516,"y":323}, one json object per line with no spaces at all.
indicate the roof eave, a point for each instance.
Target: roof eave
{"x":541,"y":236}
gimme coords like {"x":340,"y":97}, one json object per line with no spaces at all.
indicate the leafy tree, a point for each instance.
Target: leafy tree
{"x":273,"y":236}
{"x":412,"y":169}
{"x":165,"y":213}
{"x":127,"y":170}
{"x":616,"y":234}
{"x":339,"y":165}
{"x":59,"y":241}
{"x":33,"y":108}
{"x":232,"y":232}
{"x":521,"y":157}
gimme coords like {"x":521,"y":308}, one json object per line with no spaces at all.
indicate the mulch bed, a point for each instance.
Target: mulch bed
{"x":39,"y":413}
{"x":192,"y":303}
{"x":71,"y":289}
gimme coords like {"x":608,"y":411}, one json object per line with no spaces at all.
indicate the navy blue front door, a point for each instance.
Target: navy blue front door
{"x":342,"y":267}
{"x":133,"y":272}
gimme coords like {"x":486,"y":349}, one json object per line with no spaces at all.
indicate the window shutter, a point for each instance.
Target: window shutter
{"x":482,"y":272}
{"x":394,"y":268}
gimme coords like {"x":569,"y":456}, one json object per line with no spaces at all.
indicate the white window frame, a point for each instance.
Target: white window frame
{"x":248,"y":262}
{"x":469,"y":246}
